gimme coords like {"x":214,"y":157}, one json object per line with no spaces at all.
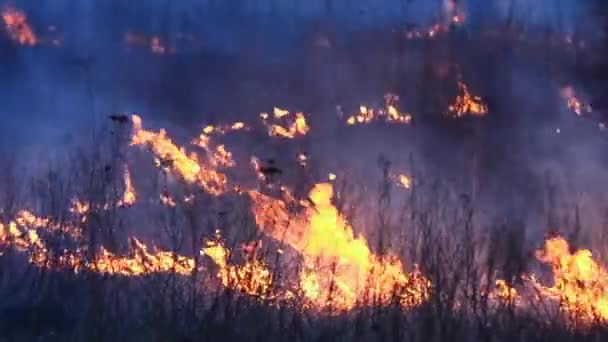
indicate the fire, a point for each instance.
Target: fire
{"x":504,"y":293}
{"x":253,"y":278}
{"x":129,"y":196}
{"x":340,"y":271}
{"x":295,"y":125}
{"x":580,"y":284}
{"x":141,"y":262}
{"x":218,"y":156}
{"x":17,"y":27}
{"x":22,"y":235}
{"x":573,"y":103}
{"x":80,"y":208}
{"x":167,"y":200}
{"x":189,"y":167}
{"x":389,"y":114}
{"x":404,"y":181}
{"x":466,"y":103}
{"x":26,"y":218}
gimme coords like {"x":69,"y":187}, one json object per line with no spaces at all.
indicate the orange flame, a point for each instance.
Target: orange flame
{"x":170,"y":156}
{"x":580,"y":284}
{"x":17,"y":27}
{"x":253,"y":278}
{"x":573,"y":103}
{"x":403,"y":181}
{"x":389,"y":114}
{"x":129,"y":196}
{"x":22,"y":235}
{"x":466,"y":103}
{"x":340,"y":270}
{"x":295,"y":126}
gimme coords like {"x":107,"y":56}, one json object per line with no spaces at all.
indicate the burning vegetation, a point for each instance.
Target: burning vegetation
{"x":17,"y":27}
{"x":336,"y":269}
{"x":304,"y":250}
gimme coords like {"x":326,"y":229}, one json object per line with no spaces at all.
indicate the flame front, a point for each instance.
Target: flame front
{"x":580,"y":284}
{"x":340,"y":271}
{"x":172,"y":157}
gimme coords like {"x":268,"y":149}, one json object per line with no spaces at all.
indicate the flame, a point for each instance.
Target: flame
{"x":167,"y":200}
{"x":22,"y":235}
{"x":573,"y":103}
{"x":253,"y":278}
{"x":141,"y":262}
{"x":27,"y":218}
{"x":218,"y":156}
{"x":80,"y":208}
{"x":390,"y":113}
{"x":340,"y":271}
{"x":404,"y":181}
{"x":295,"y":125}
{"x":129,"y":196}
{"x":17,"y":27}
{"x":504,"y":293}
{"x":172,"y":157}
{"x":466,"y":103}
{"x":580,"y":284}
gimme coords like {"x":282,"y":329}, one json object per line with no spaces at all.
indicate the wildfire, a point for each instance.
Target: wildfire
{"x":580,"y":284}
{"x":129,"y":196}
{"x":294,"y":125}
{"x":141,"y":262}
{"x":253,"y":278}
{"x":403,"y":181}
{"x":466,"y":103}
{"x":340,"y":271}
{"x":17,"y":27}
{"x":170,"y":156}
{"x":389,"y":114}
{"x":573,"y":103}
{"x":22,"y":235}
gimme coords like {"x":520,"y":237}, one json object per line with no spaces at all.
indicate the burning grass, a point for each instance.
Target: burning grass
{"x":316,"y":263}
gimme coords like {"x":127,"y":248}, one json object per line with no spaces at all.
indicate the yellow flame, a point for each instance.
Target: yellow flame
{"x":389,"y":114}
{"x":129,"y":196}
{"x":580,"y":284}
{"x":295,"y":125}
{"x":175,"y":158}
{"x":253,"y":278}
{"x":339,"y":271}
{"x":466,"y":103}
{"x":404,"y":181}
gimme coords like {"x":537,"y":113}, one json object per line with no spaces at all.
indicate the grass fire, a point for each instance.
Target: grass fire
{"x":402,"y":170}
